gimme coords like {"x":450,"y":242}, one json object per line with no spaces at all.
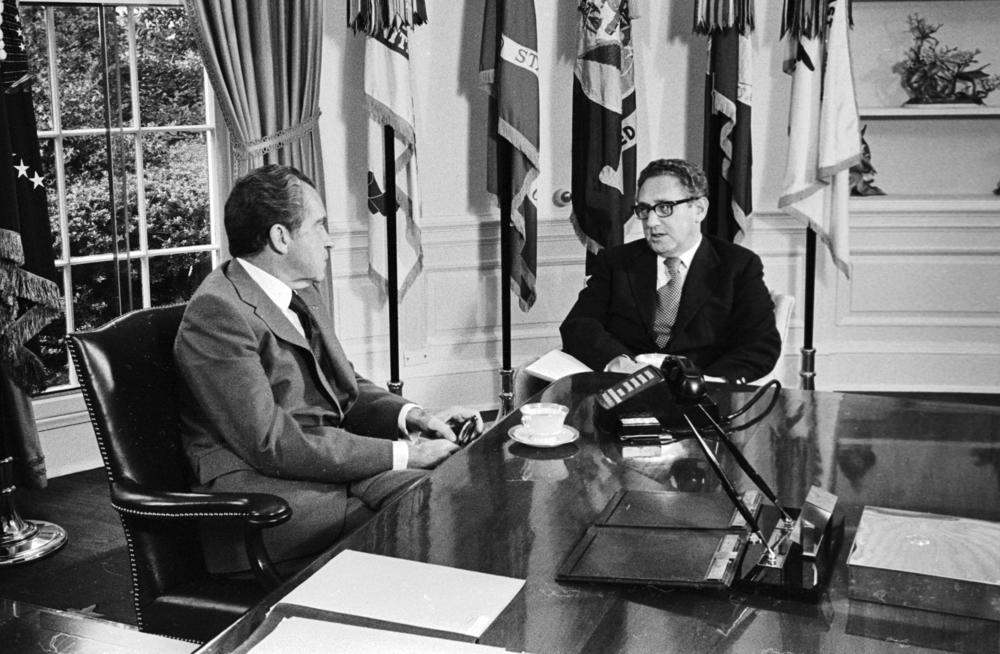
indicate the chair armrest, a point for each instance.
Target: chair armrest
{"x":257,"y":509}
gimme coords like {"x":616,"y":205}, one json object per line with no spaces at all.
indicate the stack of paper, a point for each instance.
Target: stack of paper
{"x":382,"y":592}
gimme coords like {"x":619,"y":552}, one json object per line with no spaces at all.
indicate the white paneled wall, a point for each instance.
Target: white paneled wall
{"x":921,"y":311}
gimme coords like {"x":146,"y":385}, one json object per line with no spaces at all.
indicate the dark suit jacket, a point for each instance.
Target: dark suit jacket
{"x":725,"y":321}
{"x":255,"y":398}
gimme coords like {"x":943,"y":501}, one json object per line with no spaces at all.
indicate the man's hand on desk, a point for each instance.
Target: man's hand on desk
{"x":458,"y":424}
{"x":427,"y":452}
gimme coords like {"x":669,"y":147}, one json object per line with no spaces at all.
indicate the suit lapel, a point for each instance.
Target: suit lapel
{"x":642,"y":281}
{"x":697,"y":285}
{"x":343,"y":371}
{"x":276,"y":321}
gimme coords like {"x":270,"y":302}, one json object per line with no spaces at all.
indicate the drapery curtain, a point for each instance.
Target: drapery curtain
{"x":263,"y":60}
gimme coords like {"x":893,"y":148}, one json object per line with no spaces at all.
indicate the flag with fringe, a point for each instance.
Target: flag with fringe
{"x":29,"y":297}
{"x":727,"y":155}
{"x":388,"y":24}
{"x":824,"y":137}
{"x":508,"y":69}
{"x":604,"y":124}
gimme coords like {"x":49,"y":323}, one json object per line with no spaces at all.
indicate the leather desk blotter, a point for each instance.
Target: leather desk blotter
{"x":662,"y":538}
{"x":926,"y":561}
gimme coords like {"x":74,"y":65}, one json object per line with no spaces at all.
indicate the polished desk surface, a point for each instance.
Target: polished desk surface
{"x":501,"y":507}
{"x":29,"y":629}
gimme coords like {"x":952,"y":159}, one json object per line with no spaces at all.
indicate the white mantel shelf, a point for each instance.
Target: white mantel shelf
{"x":920,"y":111}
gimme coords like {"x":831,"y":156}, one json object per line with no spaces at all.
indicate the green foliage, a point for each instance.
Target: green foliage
{"x":932,"y":73}
{"x":174,"y":164}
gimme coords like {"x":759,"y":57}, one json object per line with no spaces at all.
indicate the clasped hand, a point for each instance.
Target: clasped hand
{"x":432,"y":438}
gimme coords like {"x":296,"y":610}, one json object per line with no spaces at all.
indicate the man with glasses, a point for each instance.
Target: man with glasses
{"x":676,"y":291}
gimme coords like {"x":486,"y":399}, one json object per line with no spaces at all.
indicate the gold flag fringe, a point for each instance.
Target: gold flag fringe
{"x":27,"y":304}
{"x":712,"y":16}
{"x":809,"y":18}
{"x":374,"y":17}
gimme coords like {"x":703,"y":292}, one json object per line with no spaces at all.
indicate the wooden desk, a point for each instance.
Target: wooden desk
{"x":29,"y":629}
{"x":503,"y":508}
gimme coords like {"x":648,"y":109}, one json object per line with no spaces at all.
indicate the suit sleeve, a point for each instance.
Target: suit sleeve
{"x":584,"y":331}
{"x":753,"y":337}
{"x":218,"y":358}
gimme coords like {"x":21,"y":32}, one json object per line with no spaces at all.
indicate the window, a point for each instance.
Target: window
{"x":128,"y":141}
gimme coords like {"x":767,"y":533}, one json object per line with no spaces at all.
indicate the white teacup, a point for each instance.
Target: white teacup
{"x":543,"y":419}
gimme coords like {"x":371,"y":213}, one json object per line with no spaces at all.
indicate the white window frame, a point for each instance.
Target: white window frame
{"x":218,"y":168}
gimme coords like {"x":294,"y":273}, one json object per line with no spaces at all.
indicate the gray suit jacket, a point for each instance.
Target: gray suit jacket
{"x":254,"y":397}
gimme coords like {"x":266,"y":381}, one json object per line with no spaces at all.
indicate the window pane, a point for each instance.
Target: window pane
{"x":36,"y":47}
{"x":95,"y":292}
{"x":173,"y":279}
{"x":92,"y":226}
{"x":81,"y":92}
{"x":176,"y":168}
{"x":171,"y":88}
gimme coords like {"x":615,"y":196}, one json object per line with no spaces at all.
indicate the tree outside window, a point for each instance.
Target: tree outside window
{"x":128,"y":142}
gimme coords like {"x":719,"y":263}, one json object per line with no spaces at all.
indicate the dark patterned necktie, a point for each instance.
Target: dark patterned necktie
{"x":311,"y":329}
{"x":668,"y":298}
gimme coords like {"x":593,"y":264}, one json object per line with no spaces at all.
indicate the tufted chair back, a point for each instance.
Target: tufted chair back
{"x":130,"y":385}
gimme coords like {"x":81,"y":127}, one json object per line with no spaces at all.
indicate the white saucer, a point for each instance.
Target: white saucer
{"x":521,"y":434}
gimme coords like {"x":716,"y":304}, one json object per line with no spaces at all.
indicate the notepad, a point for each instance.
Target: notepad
{"x":555,"y":364}
{"x":301,"y":635}
{"x":432,"y":598}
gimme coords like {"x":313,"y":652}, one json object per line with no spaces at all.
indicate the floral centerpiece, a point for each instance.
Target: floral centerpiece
{"x":934,"y":74}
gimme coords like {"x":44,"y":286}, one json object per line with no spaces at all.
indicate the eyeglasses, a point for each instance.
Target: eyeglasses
{"x":663,"y":209}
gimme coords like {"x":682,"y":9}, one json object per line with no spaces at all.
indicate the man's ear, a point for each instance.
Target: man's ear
{"x":279,"y":238}
{"x":701,"y":209}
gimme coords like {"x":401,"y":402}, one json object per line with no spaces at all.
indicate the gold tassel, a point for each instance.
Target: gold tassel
{"x":712,"y":16}
{"x":375,"y":17}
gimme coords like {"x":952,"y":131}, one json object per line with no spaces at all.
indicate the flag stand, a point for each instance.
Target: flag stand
{"x":21,"y":540}
{"x":504,"y":196}
{"x":808,"y":371}
{"x":390,"y":205}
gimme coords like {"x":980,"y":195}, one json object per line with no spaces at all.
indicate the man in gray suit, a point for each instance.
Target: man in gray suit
{"x":270,"y":402}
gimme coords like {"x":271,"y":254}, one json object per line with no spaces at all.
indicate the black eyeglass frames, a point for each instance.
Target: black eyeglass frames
{"x":663,"y":209}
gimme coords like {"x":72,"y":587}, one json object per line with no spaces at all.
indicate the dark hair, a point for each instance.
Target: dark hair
{"x":691,"y":177}
{"x":263,"y":197}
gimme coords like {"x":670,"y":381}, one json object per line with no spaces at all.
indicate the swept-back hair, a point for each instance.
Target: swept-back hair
{"x":691,"y":177}
{"x":263,"y":197}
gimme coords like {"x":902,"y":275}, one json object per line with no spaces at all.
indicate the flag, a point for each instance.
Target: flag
{"x":604,"y":124}
{"x":29,"y":298}
{"x":508,"y":68}
{"x":390,"y":102}
{"x":727,"y":154}
{"x":824,"y":138}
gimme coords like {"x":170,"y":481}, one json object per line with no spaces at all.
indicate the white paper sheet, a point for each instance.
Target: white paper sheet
{"x":302,"y":635}
{"x":407,"y":592}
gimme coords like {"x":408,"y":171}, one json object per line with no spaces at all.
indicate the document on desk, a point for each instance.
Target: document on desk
{"x":295,"y":634}
{"x":555,"y":364}
{"x":435,"y":599}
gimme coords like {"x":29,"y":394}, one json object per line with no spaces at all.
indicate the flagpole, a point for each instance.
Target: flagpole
{"x":808,"y":372}
{"x":504,"y":195}
{"x":395,"y":384}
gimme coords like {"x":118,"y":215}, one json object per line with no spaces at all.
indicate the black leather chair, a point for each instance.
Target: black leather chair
{"x":130,"y":385}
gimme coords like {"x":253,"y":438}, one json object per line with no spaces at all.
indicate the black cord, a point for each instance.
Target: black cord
{"x":776,"y":385}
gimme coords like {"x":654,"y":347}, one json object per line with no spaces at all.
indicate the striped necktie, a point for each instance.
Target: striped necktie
{"x":668,"y":298}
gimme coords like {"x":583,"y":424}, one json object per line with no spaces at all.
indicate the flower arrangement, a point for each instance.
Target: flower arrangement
{"x":932,"y":73}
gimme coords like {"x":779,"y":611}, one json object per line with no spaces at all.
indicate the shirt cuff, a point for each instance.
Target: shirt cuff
{"x":401,"y":419}
{"x":400,"y":455}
